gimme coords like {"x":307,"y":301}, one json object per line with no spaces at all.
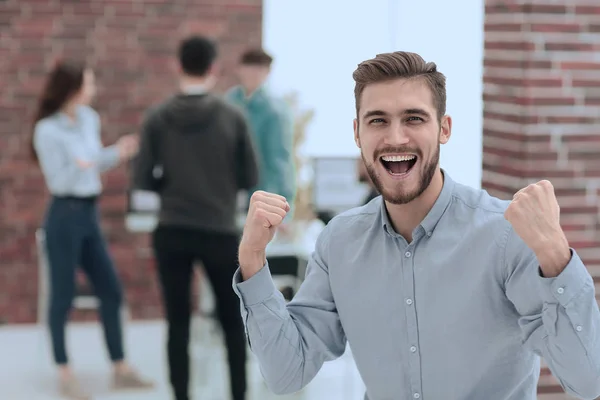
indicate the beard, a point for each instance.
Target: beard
{"x":398,"y":195}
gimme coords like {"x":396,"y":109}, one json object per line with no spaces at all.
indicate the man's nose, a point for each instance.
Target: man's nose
{"x":397,"y":135}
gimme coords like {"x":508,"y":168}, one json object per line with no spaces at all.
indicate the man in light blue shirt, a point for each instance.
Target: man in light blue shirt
{"x":442,"y":291}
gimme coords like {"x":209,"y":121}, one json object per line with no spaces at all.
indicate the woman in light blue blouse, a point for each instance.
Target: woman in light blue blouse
{"x":66,"y":143}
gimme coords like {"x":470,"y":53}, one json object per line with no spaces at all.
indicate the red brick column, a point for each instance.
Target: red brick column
{"x":131,"y":44}
{"x":542,"y":111}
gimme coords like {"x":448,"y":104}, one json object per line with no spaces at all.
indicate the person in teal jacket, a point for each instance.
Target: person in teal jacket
{"x":271,"y":124}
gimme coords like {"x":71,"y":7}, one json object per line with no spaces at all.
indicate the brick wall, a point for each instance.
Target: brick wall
{"x":131,"y":44}
{"x":542,"y":112}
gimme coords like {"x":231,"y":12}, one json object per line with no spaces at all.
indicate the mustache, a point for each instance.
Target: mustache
{"x":401,"y":149}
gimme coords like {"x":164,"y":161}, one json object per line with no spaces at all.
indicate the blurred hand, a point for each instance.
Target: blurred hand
{"x":84,"y":164}
{"x":128,"y":146}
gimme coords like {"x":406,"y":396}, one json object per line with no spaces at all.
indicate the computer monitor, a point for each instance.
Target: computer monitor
{"x":336,"y":187}
{"x":142,"y":211}
{"x":143,"y":208}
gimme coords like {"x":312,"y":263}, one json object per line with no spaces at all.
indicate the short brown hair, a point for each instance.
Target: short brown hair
{"x":256,"y":57}
{"x":401,"y":65}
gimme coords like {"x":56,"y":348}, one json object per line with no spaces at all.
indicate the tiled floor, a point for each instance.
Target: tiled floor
{"x":26,"y":372}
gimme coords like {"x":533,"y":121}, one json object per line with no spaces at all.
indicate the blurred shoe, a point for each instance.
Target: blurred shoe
{"x":70,"y":389}
{"x":130,"y":379}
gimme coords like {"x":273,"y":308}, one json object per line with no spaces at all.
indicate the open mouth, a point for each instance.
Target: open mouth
{"x":398,"y":165}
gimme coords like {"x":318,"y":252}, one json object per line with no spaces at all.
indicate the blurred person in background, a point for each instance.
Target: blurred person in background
{"x":271,"y":123}
{"x":67,"y":145}
{"x":196,"y":153}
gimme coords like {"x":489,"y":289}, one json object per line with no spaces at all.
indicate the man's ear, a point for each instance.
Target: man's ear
{"x":445,"y":129}
{"x":356,"y":138}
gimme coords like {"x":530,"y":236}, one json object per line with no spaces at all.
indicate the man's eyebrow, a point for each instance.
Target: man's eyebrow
{"x":408,"y":111}
{"x":374,"y":113}
{"x":416,"y":111}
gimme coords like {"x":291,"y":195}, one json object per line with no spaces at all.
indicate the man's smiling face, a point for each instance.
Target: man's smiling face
{"x":399,"y":134}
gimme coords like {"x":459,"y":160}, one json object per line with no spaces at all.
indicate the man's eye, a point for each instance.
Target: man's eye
{"x":415,"y":119}
{"x":377,"y":121}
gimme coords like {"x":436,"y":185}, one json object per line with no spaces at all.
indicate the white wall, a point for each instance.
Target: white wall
{"x":317,"y":44}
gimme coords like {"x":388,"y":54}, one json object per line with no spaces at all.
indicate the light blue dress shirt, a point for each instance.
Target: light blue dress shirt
{"x":460,"y":313}
{"x":60,"y":141}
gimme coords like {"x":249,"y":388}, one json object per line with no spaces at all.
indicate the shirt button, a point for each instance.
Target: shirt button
{"x":416,"y":395}
{"x":579,"y":328}
{"x":408,"y":301}
{"x":407,"y":254}
{"x":560,"y":290}
{"x":429,"y":234}
{"x":413,"y":349}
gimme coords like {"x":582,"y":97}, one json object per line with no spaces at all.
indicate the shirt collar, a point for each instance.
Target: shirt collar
{"x":194,"y":89}
{"x":435,"y":214}
{"x":258,"y":94}
{"x":66,"y":120}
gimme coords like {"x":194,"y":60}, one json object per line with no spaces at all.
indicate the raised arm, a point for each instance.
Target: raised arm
{"x":560,"y":320}
{"x":552,"y":291}
{"x":290,"y":341}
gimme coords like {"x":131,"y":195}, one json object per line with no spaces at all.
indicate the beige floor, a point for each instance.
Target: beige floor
{"x":26,"y":372}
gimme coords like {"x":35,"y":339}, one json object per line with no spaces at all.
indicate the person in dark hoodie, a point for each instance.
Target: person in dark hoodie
{"x":197,"y":154}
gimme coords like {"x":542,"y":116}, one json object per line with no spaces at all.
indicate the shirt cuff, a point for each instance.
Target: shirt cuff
{"x":255,"y":290}
{"x":568,"y":284}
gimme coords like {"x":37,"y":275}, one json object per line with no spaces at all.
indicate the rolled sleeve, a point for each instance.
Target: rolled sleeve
{"x":255,"y":290}
{"x":569,"y":284}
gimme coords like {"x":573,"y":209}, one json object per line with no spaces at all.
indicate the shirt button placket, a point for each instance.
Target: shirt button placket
{"x":414,"y":360}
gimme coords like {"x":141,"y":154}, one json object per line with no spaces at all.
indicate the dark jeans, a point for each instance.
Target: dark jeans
{"x":176,"y":250}
{"x":74,"y":239}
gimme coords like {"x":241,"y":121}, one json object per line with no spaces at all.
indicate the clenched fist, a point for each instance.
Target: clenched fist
{"x":535,"y":216}
{"x":265,"y":214}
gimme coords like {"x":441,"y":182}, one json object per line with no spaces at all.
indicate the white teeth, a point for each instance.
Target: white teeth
{"x":397,"y":158}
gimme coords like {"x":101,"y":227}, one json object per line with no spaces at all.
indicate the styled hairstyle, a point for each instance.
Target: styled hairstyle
{"x":62,"y":83}
{"x":401,"y":65}
{"x":256,"y":57}
{"x":196,"y":55}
